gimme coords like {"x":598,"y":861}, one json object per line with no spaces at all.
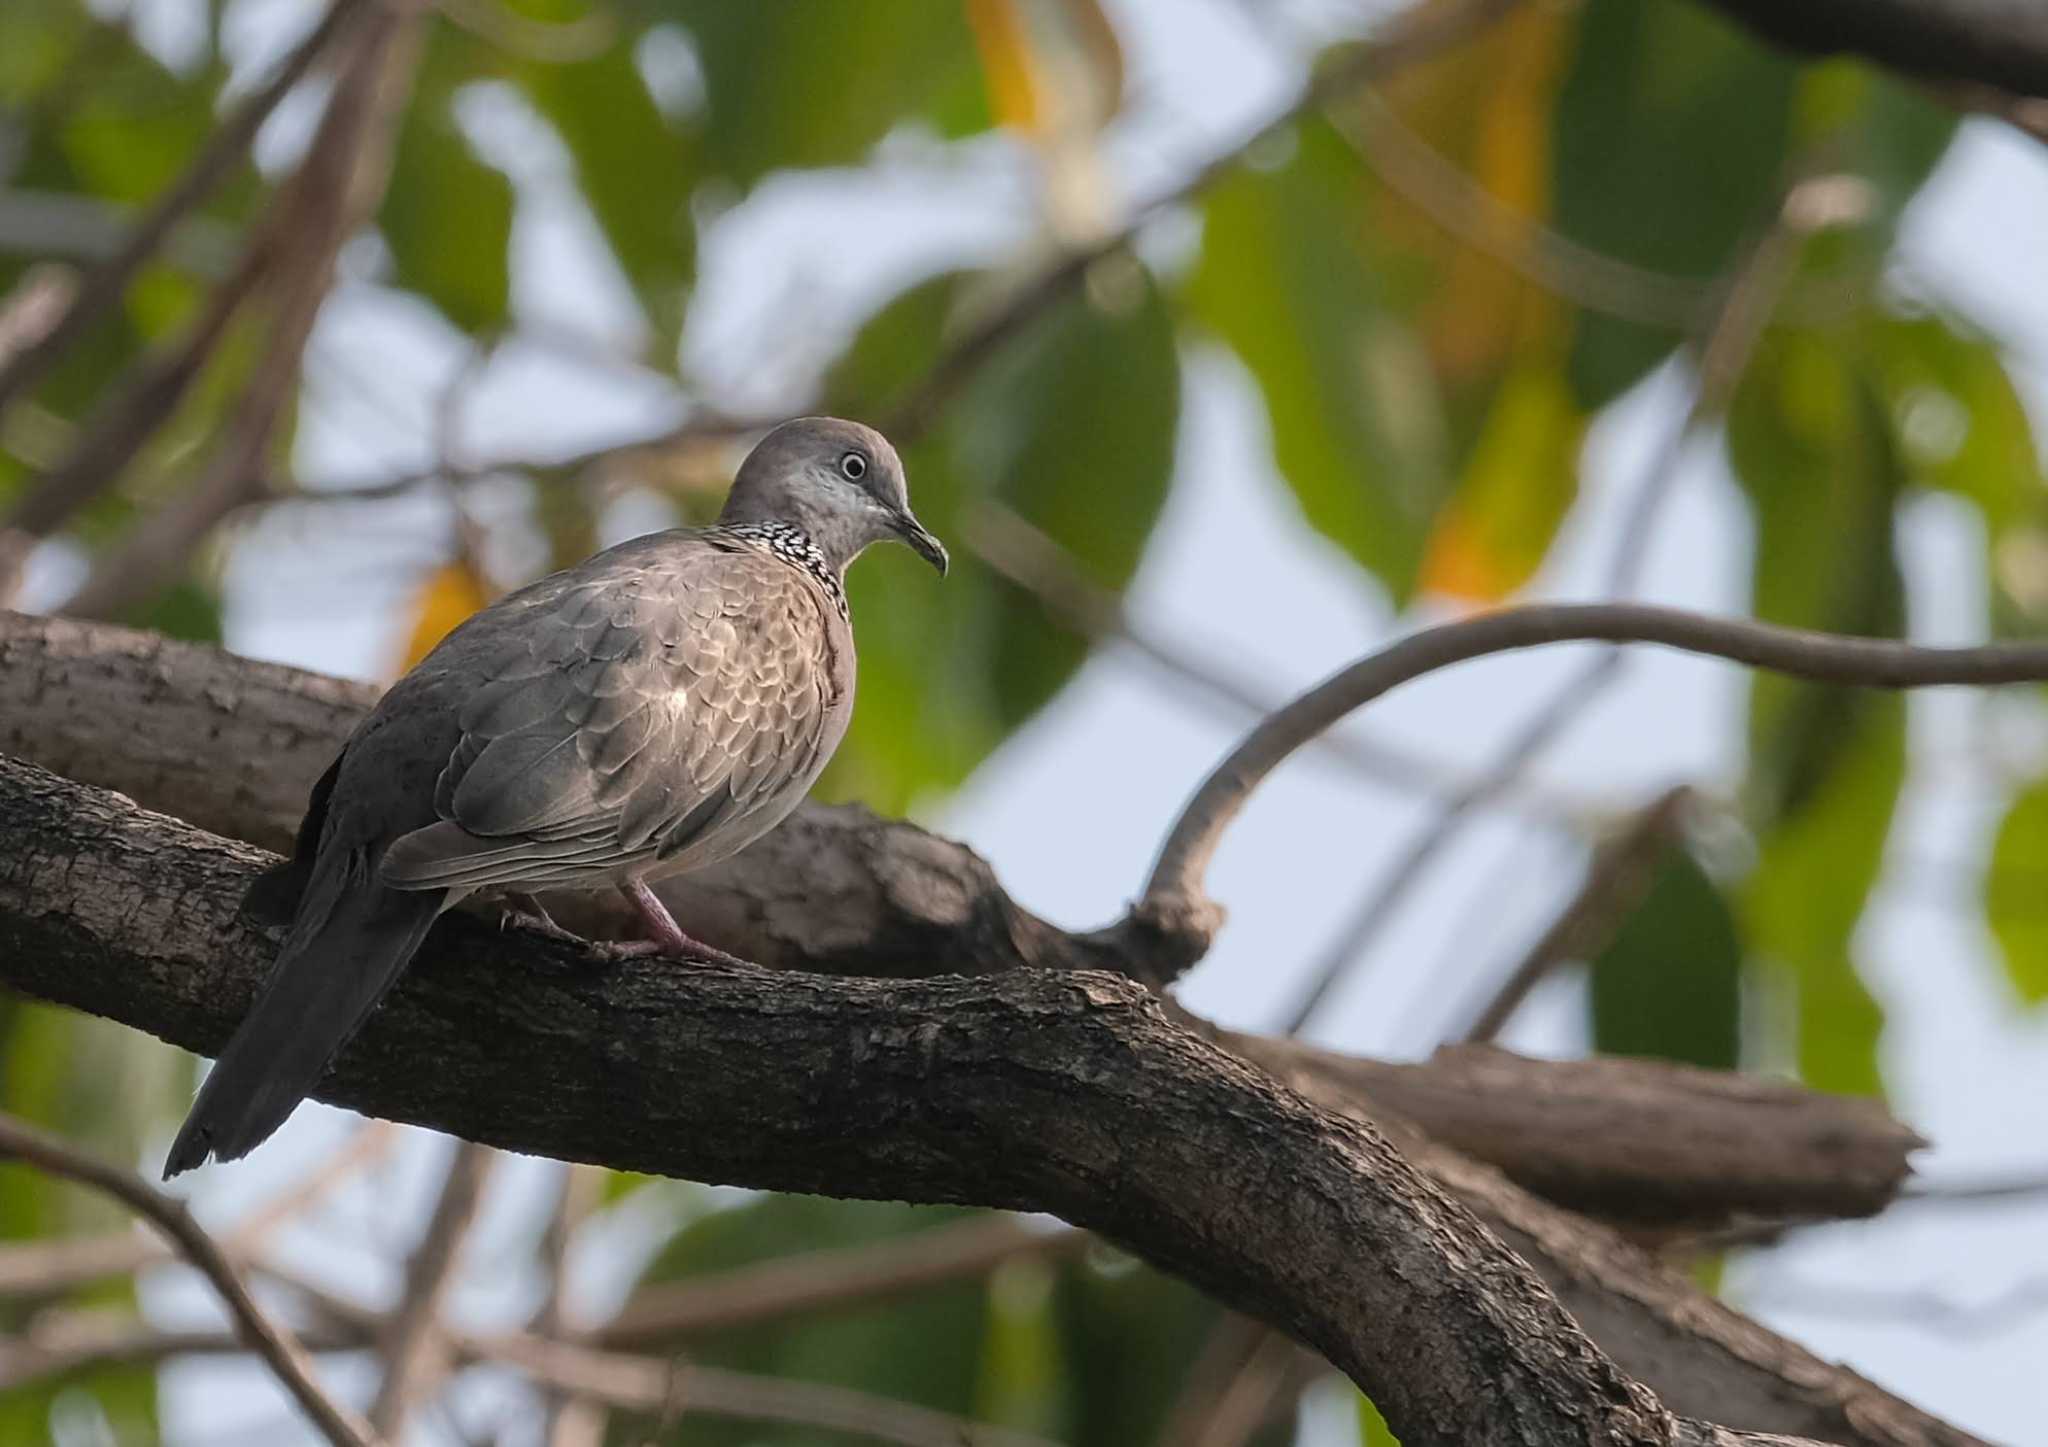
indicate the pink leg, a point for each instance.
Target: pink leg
{"x":665,"y":936}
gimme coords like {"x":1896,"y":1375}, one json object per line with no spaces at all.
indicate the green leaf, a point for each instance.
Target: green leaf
{"x":1373,"y":1430}
{"x":1669,"y":984}
{"x":925,"y":1348}
{"x":1670,"y":146}
{"x":1091,"y":1352}
{"x":1288,"y":280}
{"x":1072,"y":427}
{"x":186,"y":609}
{"x":2016,"y":892}
{"x":1963,"y":429}
{"x":1519,"y":480}
{"x":636,"y":170}
{"x":447,"y":215}
{"x":1812,"y":445}
{"x":106,"y":1089}
{"x":818,"y":84}
{"x":1133,"y":1337}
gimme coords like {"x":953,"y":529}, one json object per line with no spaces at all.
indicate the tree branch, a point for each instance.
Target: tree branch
{"x":1031,"y":1090}
{"x":223,"y":152}
{"x":1617,"y":877}
{"x":271,"y":1341}
{"x":233,"y":745}
{"x":1176,"y":919}
{"x":1999,"y":43}
{"x":821,"y":1280}
{"x":413,"y":1343}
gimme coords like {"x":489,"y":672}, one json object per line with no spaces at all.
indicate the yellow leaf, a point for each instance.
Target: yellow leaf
{"x":1521,"y":476}
{"x":450,"y":594}
{"x":1006,"y":62}
{"x":1484,"y":108}
{"x":1052,"y":66}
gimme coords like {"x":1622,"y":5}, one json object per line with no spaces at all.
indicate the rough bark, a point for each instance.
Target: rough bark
{"x":1660,"y":1148}
{"x":1032,"y":1090}
{"x":1068,"y":1092}
{"x":233,"y":745}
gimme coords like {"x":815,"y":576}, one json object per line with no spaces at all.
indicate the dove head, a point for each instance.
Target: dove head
{"x":838,"y":481}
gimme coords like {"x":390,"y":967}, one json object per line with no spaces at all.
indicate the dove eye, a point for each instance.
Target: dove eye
{"x":853,"y":467}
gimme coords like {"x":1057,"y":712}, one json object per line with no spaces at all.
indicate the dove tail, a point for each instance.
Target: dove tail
{"x":349,"y":941}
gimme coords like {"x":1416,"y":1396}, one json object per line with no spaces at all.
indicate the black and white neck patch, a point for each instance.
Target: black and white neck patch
{"x":794,"y":546}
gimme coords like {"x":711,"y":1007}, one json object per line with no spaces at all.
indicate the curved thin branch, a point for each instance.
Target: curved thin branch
{"x":271,"y":1341}
{"x":1173,"y":898}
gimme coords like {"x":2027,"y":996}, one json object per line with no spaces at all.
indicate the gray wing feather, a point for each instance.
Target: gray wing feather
{"x":629,"y":714}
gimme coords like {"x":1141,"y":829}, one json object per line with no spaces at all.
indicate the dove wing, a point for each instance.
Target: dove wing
{"x":629,"y":716}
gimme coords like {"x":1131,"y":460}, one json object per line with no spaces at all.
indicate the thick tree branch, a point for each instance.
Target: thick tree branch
{"x":233,"y":746}
{"x":1999,"y":43}
{"x":1036,"y":1090}
{"x":160,"y":720}
{"x":269,"y":1340}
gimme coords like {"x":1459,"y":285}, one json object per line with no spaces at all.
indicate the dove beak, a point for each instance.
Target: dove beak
{"x":921,"y":542}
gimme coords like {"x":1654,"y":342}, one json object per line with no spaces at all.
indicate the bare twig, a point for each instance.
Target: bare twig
{"x":1273,"y":1375}
{"x":1987,"y":1192}
{"x":223,"y":152}
{"x":1229,"y":1347}
{"x":1923,"y":1309}
{"x":651,"y":1386}
{"x":565,"y":1422}
{"x":43,"y":1268}
{"x":1615,"y":881}
{"x":270,"y":1340}
{"x":1474,"y":215}
{"x":551,"y":42}
{"x":120,"y":425}
{"x":1418,"y":34}
{"x":414,"y":1344}
{"x":832,"y":1279}
{"x":338,"y":184}
{"x":1036,"y":563}
{"x":1173,"y":897}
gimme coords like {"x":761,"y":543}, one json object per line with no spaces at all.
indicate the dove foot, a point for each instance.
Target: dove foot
{"x":665,"y":936}
{"x":526,"y":912}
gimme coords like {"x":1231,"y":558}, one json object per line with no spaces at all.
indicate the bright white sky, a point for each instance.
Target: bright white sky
{"x":1071,"y":809}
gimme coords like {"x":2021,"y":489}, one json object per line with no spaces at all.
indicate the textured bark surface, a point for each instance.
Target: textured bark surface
{"x":1645,"y":1144}
{"x":1069,"y":1092}
{"x":233,"y":746}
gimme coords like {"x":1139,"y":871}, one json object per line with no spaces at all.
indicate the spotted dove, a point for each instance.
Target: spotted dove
{"x":656,"y":708}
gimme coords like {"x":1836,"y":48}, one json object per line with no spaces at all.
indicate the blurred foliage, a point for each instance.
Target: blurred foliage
{"x":1669,"y":983}
{"x":1088,"y":1351}
{"x":1073,"y":429}
{"x":1372,"y":1427}
{"x":1434,"y":291}
{"x":2016,"y":892}
{"x":106,"y":1089}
